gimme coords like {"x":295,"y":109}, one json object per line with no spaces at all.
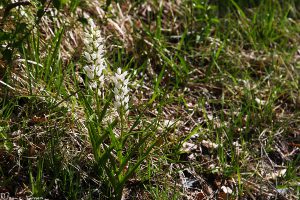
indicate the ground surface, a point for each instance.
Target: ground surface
{"x":214,"y":110}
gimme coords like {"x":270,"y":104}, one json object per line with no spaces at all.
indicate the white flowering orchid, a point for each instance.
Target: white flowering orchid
{"x":95,"y":65}
{"x":121,"y":90}
{"x":94,"y":56}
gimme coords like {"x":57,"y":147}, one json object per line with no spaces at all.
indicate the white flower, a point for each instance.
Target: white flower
{"x":121,"y":91}
{"x":94,"y":56}
{"x":93,"y":85}
{"x":89,"y":70}
{"x":226,"y":190}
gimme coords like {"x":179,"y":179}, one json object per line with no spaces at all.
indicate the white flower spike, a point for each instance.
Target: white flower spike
{"x":94,"y":56}
{"x":121,"y":91}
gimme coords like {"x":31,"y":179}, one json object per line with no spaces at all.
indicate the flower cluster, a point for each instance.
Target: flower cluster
{"x":121,"y":91}
{"x":95,"y":65}
{"x":94,"y":52}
